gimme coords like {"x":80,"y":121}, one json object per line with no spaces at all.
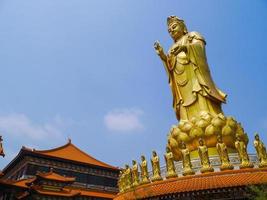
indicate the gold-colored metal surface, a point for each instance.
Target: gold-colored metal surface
{"x":187,"y":165}
{"x":135,"y":174}
{"x":261,"y":151}
{"x":171,"y":173}
{"x":128,"y":177}
{"x":144,"y":171}
{"x":121,"y":182}
{"x":196,"y":99}
{"x":1,"y":147}
{"x":223,"y":154}
{"x":242,"y":153}
{"x":208,"y":128}
{"x":189,"y":77}
{"x":204,"y":157}
{"x":155,"y":167}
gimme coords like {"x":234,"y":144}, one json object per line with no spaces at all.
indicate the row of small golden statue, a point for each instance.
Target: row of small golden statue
{"x":129,"y":177}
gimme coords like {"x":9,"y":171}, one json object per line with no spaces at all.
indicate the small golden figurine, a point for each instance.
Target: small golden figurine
{"x":144,"y":171}
{"x":1,"y":148}
{"x":241,"y":147}
{"x":204,"y":157}
{"x":135,"y":174}
{"x":261,"y":151}
{"x":155,"y":167}
{"x":223,"y":154}
{"x":187,"y":165}
{"x":169,"y":164}
{"x":189,"y":76}
{"x":128,"y":177}
{"x":120,"y":182}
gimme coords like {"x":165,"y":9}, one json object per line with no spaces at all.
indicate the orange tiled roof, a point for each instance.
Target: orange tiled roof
{"x":214,"y":180}
{"x":23,"y":182}
{"x":54,"y":176}
{"x":71,"y":152}
{"x":62,"y":193}
{"x":74,"y":192}
{"x":97,"y":194}
{"x":68,"y":191}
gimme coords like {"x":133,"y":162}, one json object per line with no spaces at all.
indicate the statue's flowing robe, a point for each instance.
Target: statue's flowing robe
{"x":222,"y":151}
{"x":190,"y":79}
{"x":186,"y":159}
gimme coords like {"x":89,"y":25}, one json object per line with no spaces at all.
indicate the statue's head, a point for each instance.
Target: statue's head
{"x":257,"y":137}
{"x":133,"y":162}
{"x":143,"y":158}
{"x":168,"y":149}
{"x":126,"y":166}
{"x":183,"y":145}
{"x":201,"y":142}
{"x":176,"y":27}
{"x":219,"y":138}
{"x":154,"y":153}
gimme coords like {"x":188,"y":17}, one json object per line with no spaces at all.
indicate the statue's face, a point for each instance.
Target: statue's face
{"x":175,"y":30}
{"x":257,"y":137}
{"x":167,"y":149}
{"x":142,"y":158}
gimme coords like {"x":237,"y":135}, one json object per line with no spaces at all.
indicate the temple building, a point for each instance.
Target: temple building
{"x":65,"y":172}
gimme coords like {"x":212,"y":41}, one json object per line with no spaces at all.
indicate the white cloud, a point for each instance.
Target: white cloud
{"x":19,"y":125}
{"x":124,"y":120}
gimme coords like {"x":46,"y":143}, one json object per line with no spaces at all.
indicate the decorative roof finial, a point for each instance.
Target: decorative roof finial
{"x":1,"y":147}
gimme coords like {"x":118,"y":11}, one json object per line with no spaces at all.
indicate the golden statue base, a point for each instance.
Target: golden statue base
{"x":188,"y":172}
{"x":246,"y":165}
{"x":208,"y":128}
{"x":145,"y":181}
{"x":226,"y":167}
{"x":135,"y":184}
{"x":173,"y":175}
{"x":263,"y":164}
{"x":206,"y":169}
{"x":156,"y":178}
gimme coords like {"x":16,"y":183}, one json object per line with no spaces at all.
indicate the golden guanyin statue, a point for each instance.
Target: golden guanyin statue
{"x":156,"y":174}
{"x":189,"y":76}
{"x":1,"y":147}
{"x":204,"y":157}
{"x":223,"y":154}
{"x":135,"y":173}
{"x":187,"y":165}
{"x":261,"y":151}
{"x":170,"y":167}
{"x":196,"y":99}
{"x":144,"y":170}
{"x":242,"y":153}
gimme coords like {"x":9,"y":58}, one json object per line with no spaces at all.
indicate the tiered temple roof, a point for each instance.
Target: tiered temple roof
{"x":68,"y":152}
{"x":65,"y":171}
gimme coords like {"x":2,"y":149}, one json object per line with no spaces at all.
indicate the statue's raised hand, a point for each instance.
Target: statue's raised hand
{"x":159,"y":50}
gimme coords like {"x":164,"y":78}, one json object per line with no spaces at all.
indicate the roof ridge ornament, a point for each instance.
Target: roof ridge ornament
{"x":69,"y":140}
{"x":1,"y":147}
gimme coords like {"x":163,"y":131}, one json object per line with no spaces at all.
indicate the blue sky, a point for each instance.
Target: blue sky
{"x":87,"y":70}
